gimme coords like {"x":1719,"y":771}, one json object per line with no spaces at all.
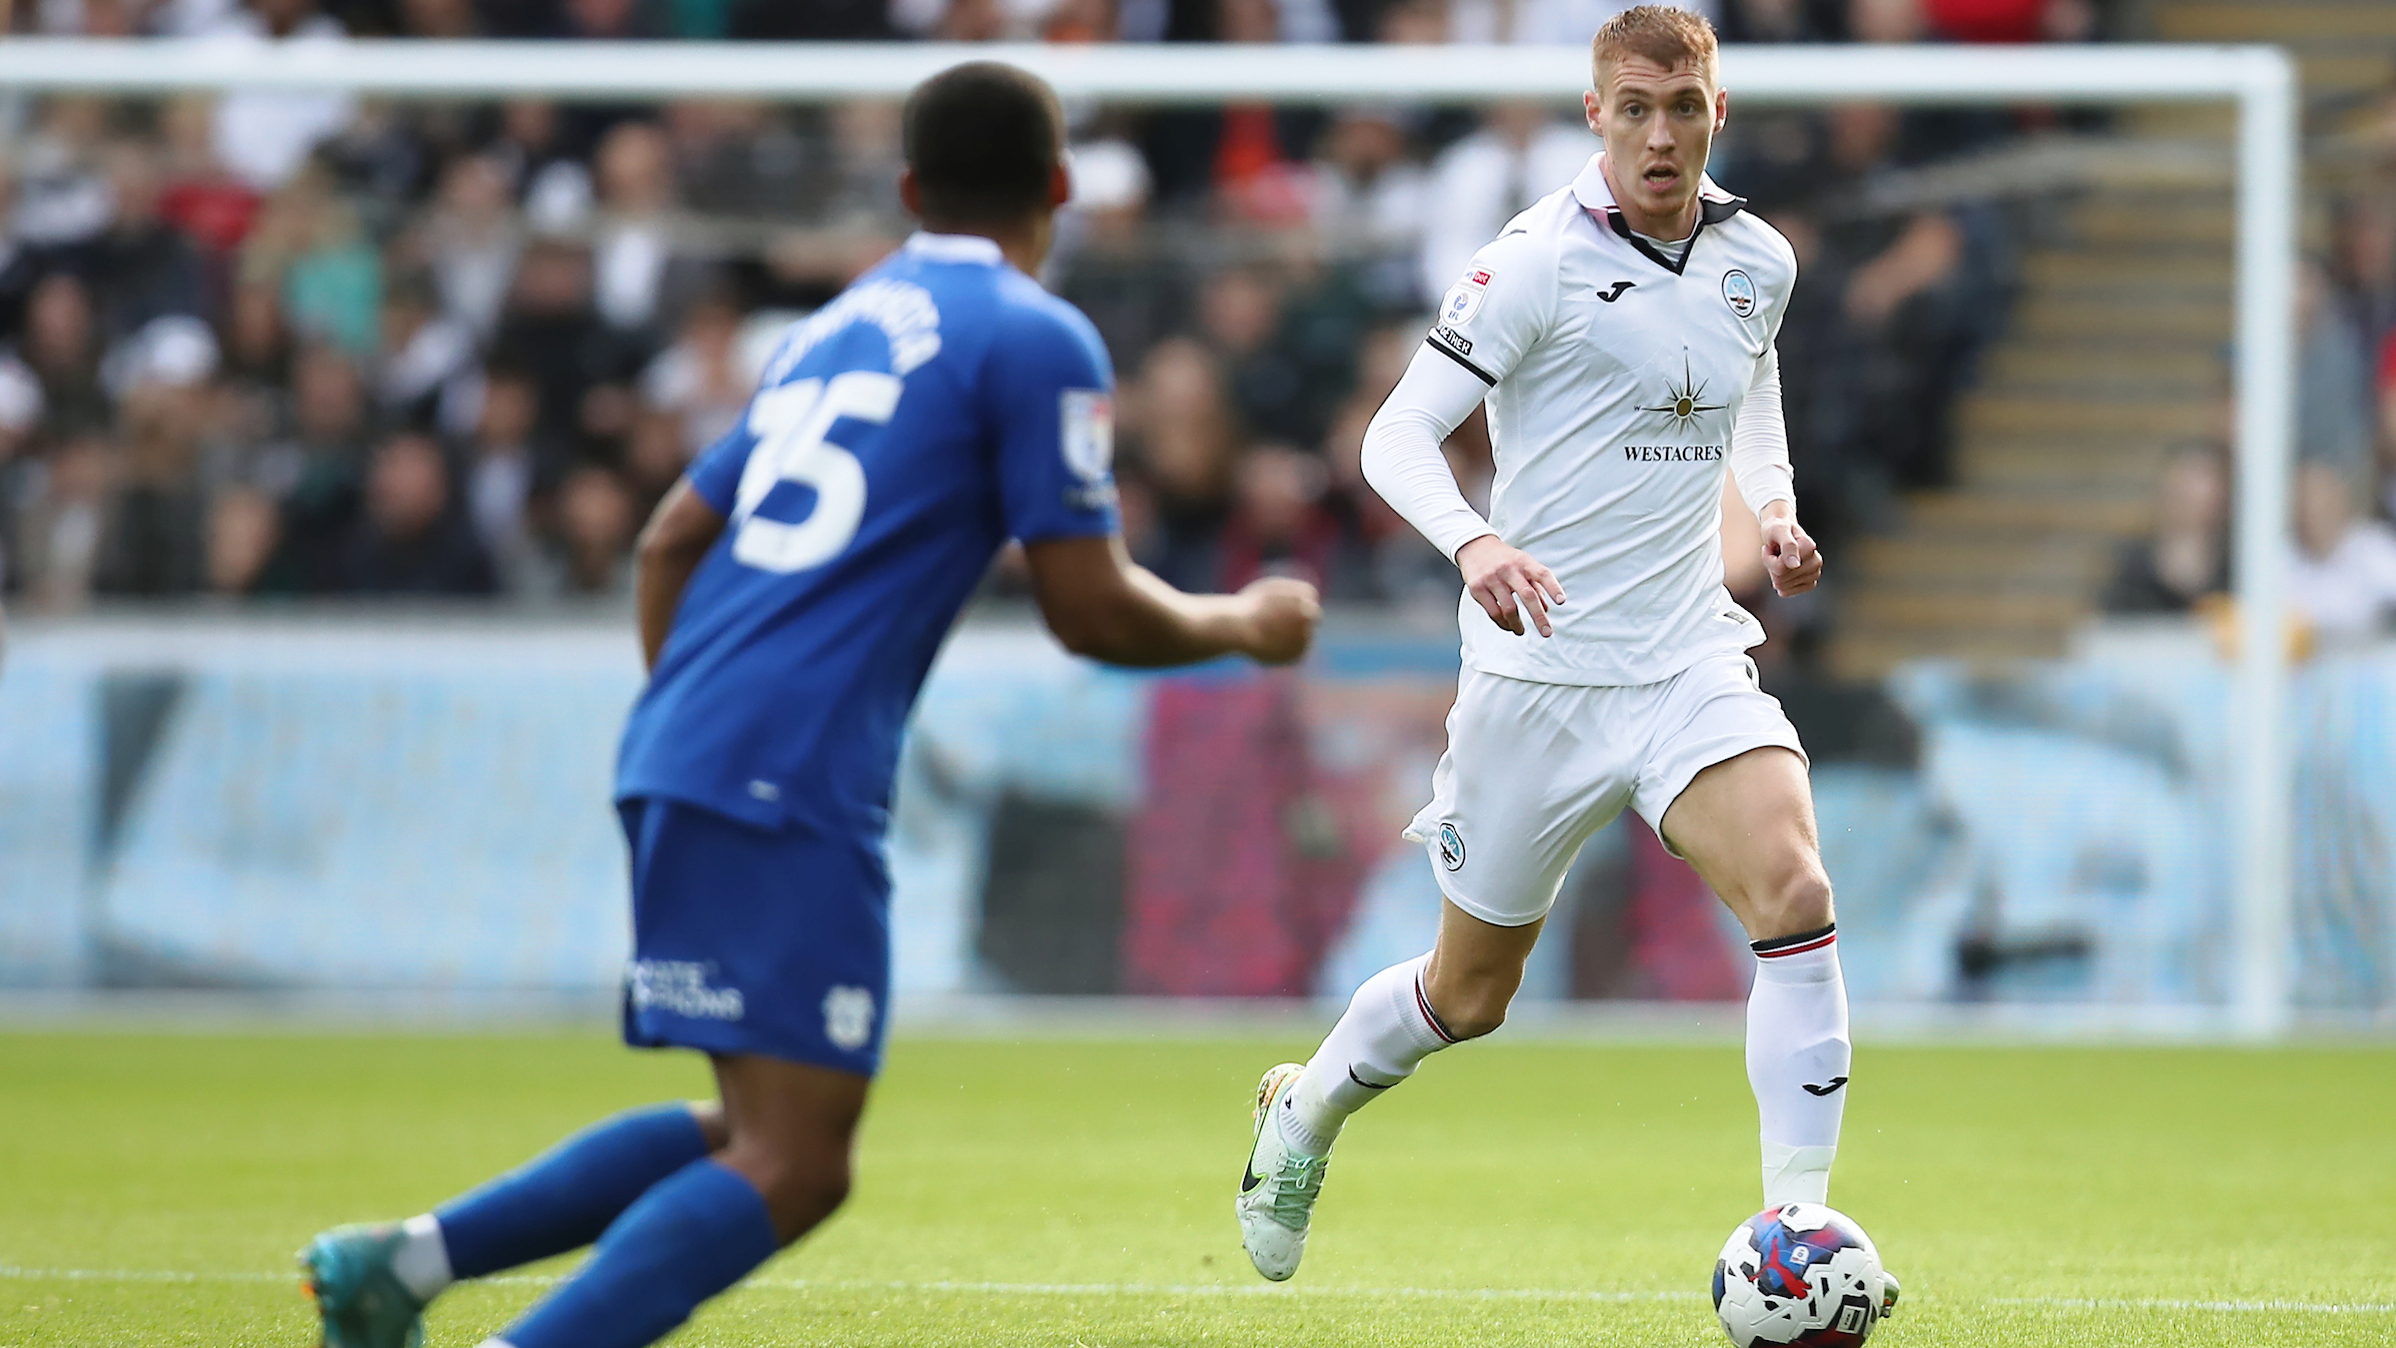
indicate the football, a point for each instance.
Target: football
{"x":1801,"y":1274}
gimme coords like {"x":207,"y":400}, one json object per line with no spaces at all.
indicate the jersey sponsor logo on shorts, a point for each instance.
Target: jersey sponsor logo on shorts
{"x":1738,"y":291}
{"x":1451,"y":847}
{"x":1462,"y":343}
{"x":682,"y":988}
{"x":849,"y":1017}
{"x":1614,"y":292}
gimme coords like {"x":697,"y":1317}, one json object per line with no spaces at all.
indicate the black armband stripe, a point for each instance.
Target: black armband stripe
{"x":1450,"y":352}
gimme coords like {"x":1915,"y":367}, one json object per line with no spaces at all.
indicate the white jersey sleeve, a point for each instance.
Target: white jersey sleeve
{"x":1759,"y":439}
{"x":1401,"y":450}
{"x":1501,"y":307}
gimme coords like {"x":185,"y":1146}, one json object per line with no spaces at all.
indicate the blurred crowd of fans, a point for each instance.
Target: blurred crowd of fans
{"x":277,"y":344}
{"x":2342,"y":581}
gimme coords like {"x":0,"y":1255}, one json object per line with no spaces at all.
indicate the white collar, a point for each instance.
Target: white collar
{"x":955,"y":248}
{"x":1591,"y":191}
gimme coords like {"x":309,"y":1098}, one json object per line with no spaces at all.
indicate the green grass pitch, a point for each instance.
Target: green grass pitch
{"x":153,"y":1187}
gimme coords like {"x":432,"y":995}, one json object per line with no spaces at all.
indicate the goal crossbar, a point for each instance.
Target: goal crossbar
{"x":2261,"y":82}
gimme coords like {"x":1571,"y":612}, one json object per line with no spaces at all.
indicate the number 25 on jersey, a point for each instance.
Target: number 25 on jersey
{"x":790,"y":423}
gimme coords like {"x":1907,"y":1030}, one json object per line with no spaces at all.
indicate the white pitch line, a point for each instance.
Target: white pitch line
{"x":1121,"y":1289}
{"x":2170,"y":1304}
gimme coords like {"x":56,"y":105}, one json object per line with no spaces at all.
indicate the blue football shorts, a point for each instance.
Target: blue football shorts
{"x":773,"y":942}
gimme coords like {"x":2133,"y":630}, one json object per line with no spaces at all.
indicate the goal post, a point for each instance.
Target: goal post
{"x":2260,"y":81}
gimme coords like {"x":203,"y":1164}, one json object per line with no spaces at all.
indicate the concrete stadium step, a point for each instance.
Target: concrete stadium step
{"x":2033,"y":363}
{"x":2078,"y":318}
{"x":1869,"y":654}
{"x":2025,"y":512}
{"x":2125,"y":469}
{"x":2111,"y":271}
{"x":2139,"y":224}
{"x":1929,"y":560}
{"x":1933,"y":616}
{"x":2199,"y":21}
{"x":2142,"y":418}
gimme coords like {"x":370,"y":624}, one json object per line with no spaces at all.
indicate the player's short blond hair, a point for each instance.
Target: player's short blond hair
{"x":1668,"y":36}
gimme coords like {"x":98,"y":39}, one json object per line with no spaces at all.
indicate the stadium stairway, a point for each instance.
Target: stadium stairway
{"x":2116,"y":349}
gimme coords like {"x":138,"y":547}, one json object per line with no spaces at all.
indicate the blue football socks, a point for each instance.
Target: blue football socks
{"x":687,"y":1239}
{"x":564,"y":1198}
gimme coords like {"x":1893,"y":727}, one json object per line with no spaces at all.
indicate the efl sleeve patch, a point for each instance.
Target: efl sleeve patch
{"x":1088,"y":433}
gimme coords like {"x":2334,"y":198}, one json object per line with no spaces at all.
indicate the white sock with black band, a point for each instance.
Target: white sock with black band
{"x":1388,"y":1029}
{"x":1797,"y":1060}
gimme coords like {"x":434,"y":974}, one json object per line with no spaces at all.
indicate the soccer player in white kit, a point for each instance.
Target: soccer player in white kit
{"x":1621,"y":331}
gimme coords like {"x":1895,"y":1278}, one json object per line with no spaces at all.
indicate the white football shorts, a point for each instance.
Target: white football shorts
{"x":1534,"y":769}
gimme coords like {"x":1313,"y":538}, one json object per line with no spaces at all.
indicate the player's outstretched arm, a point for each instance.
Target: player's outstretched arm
{"x":672,"y":544}
{"x":1102,"y":604}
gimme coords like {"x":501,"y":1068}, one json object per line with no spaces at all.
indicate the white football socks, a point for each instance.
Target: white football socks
{"x":1797,"y":1061}
{"x":421,"y":1263}
{"x":1388,"y":1029}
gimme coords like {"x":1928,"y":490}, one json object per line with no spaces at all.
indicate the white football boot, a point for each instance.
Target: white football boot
{"x":1278,"y":1190}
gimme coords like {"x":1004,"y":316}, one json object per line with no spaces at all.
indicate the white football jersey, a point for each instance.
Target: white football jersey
{"x":1616,"y":381}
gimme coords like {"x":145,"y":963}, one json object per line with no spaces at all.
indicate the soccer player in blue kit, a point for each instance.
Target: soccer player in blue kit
{"x":793,"y":589}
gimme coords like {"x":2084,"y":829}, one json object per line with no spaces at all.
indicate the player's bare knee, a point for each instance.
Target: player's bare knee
{"x":1473,"y":1006}
{"x":1795,"y":899}
{"x":799,"y":1188}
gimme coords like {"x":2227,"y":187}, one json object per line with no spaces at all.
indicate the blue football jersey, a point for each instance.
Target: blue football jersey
{"x":941,"y":405}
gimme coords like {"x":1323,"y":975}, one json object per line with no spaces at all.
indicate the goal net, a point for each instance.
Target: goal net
{"x":334,"y":299}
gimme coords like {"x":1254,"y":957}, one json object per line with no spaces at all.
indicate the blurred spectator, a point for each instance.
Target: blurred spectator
{"x":143,"y":267}
{"x":1520,"y":154}
{"x":62,"y":196}
{"x":593,"y":537}
{"x":636,"y":190}
{"x":427,"y":358}
{"x":470,"y":240}
{"x":1369,"y":197}
{"x":210,"y":205}
{"x":265,"y":137}
{"x":2342,"y":578}
{"x":702,"y":380}
{"x":1278,"y":526}
{"x":310,"y":236}
{"x":1107,"y":261}
{"x":312,"y":474}
{"x":409,"y":538}
{"x":551,"y":328}
{"x":504,"y":466}
{"x":2188,"y":556}
{"x":62,"y":348}
{"x":153,"y":536}
{"x":1184,"y":457}
{"x":2333,"y":380}
{"x":61,"y":522}
{"x":539,"y":166}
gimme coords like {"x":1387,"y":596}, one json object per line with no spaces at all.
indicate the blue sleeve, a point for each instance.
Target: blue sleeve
{"x":715,"y":473}
{"x":1050,"y":391}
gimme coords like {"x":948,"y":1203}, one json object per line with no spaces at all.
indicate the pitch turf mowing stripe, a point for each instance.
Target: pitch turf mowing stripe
{"x":1069,"y":1289}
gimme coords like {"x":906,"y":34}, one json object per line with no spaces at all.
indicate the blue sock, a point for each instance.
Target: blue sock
{"x":687,"y":1239}
{"x":564,"y":1198}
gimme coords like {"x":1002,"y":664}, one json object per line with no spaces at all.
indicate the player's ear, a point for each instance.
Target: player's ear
{"x":1060,"y":185}
{"x":1721,"y":109}
{"x":1589,"y":106}
{"x":910,"y":191}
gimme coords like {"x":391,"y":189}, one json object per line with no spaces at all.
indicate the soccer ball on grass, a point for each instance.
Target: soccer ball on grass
{"x":1801,"y":1274}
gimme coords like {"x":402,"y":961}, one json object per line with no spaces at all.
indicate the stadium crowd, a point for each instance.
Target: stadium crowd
{"x":280,"y":344}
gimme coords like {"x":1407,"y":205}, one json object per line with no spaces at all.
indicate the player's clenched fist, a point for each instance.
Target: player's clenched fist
{"x":1281,"y":618}
{"x":1790,"y":557}
{"x":1507,"y":583}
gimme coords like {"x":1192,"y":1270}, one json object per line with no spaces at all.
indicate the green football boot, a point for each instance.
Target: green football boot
{"x":364,"y":1304}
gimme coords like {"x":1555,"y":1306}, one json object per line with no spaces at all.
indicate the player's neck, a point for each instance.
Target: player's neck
{"x":1671,"y":226}
{"x":1023,"y":244}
